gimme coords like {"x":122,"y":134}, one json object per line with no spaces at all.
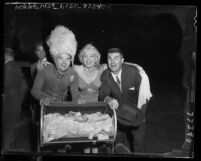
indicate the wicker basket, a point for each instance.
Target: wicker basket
{"x":88,"y":108}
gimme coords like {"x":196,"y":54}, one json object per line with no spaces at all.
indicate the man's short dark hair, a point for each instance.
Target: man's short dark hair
{"x":114,"y":50}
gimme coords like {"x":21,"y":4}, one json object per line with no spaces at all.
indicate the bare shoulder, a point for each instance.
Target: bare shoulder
{"x":77,"y":68}
{"x":102,"y":68}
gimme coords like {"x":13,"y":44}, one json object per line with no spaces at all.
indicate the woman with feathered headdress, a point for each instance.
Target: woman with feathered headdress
{"x":52,"y":82}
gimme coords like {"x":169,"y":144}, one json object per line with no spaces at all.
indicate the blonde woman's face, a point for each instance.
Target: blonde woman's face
{"x":62,"y":61}
{"x":89,"y":58}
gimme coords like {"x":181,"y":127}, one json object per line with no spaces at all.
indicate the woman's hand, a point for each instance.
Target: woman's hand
{"x":81,"y":101}
{"x":46,"y":101}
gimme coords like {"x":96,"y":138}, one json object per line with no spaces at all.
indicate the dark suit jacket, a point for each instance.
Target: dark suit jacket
{"x":12,"y":88}
{"x":130,"y":77}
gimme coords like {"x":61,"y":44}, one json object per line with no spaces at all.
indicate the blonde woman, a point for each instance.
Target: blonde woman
{"x":89,"y":73}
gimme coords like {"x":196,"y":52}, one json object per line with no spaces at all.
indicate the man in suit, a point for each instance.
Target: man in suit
{"x":120,"y":89}
{"x":42,"y":58}
{"x":12,"y":99}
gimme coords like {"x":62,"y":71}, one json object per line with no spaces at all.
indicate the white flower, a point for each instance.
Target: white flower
{"x":132,"y":88}
{"x":71,"y":78}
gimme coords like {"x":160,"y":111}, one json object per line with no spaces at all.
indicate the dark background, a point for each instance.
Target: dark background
{"x":150,"y":36}
{"x":152,"y":41}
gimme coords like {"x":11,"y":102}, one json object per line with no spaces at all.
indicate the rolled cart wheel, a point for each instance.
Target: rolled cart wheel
{"x":115,"y":129}
{"x":40,"y":130}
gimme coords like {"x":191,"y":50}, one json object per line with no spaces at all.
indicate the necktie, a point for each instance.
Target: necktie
{"x":118,"y":82}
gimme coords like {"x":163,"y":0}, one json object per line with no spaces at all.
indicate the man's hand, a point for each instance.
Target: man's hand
{"x":46,"y":101}
{"x":113,"y":104}
{"x":42,"y":64}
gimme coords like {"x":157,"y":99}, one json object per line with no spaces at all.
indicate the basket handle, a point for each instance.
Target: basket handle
{"x":115,"y":123}
{"x":41,"y":125}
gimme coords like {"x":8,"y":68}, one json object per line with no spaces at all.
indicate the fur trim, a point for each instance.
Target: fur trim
{"x":144,"y":91}
{"x":62,"y":40}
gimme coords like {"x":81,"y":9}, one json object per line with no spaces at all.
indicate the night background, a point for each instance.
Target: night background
{"x":150,"y":36}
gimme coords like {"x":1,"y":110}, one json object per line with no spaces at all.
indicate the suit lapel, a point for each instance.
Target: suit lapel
{"x":123,"y":79}
{"x":115,"y":85}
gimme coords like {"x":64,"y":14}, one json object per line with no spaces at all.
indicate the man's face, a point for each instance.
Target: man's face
{"x":40,"y":52}
{"x":115,"y":61}
{"x":62,"y":61}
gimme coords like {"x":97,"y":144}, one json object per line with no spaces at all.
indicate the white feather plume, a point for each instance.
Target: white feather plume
{"x":62,"y":40}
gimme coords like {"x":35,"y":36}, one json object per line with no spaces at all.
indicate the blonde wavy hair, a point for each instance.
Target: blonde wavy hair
{"x":89,"y":47}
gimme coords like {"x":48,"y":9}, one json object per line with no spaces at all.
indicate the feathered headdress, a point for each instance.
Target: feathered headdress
{"x":62,"y":40}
